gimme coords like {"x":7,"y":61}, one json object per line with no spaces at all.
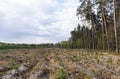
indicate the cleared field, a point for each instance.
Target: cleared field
{"x":58,"y":64}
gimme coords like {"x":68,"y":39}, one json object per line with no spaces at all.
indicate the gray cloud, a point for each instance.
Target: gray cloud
{"x":21,"y":21}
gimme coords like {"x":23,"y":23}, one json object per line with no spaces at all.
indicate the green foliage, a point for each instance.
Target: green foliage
{"x":64,"y":44}
{"x":118,"y":61}
{"x":79,"y":43}
{"x":46,"y":57}
{"x":109,"y":60}
{"x":16,"y":66}
{"x":61,"y":74}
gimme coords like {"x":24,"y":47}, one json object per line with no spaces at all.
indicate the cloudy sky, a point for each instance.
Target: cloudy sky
{"x":37,"y":21}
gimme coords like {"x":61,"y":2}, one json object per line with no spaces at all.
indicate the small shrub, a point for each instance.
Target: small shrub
{"x":61,"y":74}
{"x":118,"y":61}
{"x":46,"y":57}
{"x":109,"y":61}
{"x":16,"y":66}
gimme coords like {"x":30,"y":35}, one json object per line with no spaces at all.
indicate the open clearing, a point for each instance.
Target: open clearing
{"x":58,"y":64}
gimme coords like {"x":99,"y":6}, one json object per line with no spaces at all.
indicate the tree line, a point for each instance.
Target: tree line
{"x":25,"y":46}
{"x":99,"y":26}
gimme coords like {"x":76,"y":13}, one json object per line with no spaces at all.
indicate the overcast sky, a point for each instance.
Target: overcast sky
{"x":37,"y":21}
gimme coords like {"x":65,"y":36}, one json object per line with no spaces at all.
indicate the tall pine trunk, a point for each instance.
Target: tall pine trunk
{"x":103,"y":34}
{"x":115,"y":29}
{"x":92,"y":24}
{"x":105,"y":24}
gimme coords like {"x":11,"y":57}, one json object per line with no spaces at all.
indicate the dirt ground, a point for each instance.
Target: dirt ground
{"x":58,"y":64}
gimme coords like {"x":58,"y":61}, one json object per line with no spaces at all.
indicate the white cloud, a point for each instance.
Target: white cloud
{"x":37,"y":21}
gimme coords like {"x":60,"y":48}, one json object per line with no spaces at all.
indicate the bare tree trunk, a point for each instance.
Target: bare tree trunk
{"x":103,"y":34}
{"x":92,"y":28}
{"x":92,"y":25}
{"x":105,"y":24}
{"x":115,"y":28}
